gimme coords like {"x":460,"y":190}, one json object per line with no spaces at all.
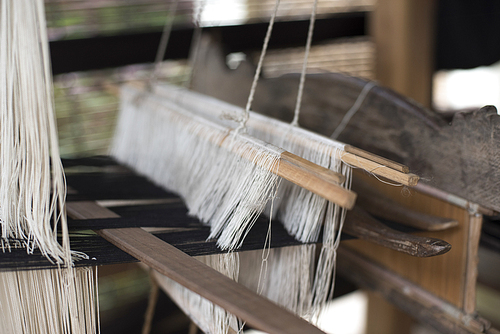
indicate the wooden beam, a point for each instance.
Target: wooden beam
{"x":403,"y":31}
{"x":208,"y":283}
{"x":194,"y":275}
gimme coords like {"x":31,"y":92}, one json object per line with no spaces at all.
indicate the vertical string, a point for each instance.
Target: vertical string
{"x":195,"y":44}
{"x":259,"y":68}
{"x":295,"y":121}
{"x":152,"y":301}
{"x":354,"y":109}
{"x":162,"y":47}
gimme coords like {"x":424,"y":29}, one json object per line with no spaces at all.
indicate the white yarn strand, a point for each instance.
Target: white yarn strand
{"x":295,"y":121}
{"x":354,"y":109}
{"x":259,"y":66}
{"x":32,"y":186}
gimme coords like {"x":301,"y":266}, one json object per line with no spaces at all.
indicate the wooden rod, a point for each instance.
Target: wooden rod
{"x":376,"y":158}
{"x":407,"y":179}
{"x":207,"y":282}
{"x":315,"y":179}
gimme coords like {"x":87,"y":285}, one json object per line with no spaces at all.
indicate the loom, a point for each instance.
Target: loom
{"x":105,"y":202}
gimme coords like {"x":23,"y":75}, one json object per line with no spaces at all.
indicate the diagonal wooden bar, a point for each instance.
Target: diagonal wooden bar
{"x":208,"y":283}
{"x":194,"y":275}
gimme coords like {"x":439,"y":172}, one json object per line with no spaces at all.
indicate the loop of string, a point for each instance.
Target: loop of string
{"x":162,"y":47}
{"x":295,"y":121}
{"x":259,"y":69}
{"x":354,"y":109}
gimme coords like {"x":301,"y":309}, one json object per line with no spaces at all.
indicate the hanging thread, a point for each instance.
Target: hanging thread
{"x":295,"y":121}
{"x":162,"y":48}
{"x":246,"y":114}
{"x":354,"y":109}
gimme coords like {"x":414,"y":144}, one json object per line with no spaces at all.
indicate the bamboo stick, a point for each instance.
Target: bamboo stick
{"x":376,"y":158}
{"x":380,"y":170}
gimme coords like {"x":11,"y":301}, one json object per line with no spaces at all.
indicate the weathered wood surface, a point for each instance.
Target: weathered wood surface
{"x":446,"y":276}
{"x":196,"y":276}
{"x":360,"y":224}
{"x":383,"y":207}
{"x":461,"y":157}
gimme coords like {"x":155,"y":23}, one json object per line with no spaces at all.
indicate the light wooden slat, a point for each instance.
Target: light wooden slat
{"x":407,"y":179}
{"x":376,"y":158}
{"x":210,"y":284}
{"x":194,"y":275}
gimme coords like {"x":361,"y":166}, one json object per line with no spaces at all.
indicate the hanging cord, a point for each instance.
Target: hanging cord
{"x":162,"y":47}
{"x":195,"y":44}
{"x":295,"y":121}
{"x":354,"y":109}
{"x":259,"y":68}
{"x":152,"y":301}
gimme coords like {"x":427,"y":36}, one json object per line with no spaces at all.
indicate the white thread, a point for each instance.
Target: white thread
{"x":195,"y":44}
{"x":295,"y":121}
{"x":162,"y":47}
{"x":354,"y":109}
{"x":259,"y":67}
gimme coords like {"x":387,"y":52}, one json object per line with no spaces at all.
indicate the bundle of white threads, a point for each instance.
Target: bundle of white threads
{"x":32,"y":185}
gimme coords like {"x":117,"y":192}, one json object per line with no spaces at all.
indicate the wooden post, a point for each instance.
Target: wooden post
{"x":403,"y":31}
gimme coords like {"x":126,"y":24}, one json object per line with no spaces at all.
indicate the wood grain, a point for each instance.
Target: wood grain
{"x":407,"y":179}
{"x":441,"y":275}
{"x":318,"y":183}
{"x":381,"y":206}
{"x":377,"y":158}
{"x":201,"y":279}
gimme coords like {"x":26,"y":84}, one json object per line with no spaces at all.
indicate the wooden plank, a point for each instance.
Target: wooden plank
{"x":472,"y":259}
{"x":210,"y":284}
{"x":194,"y":275}
{"x":383,"y":207}
{"x":88,"y":210}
